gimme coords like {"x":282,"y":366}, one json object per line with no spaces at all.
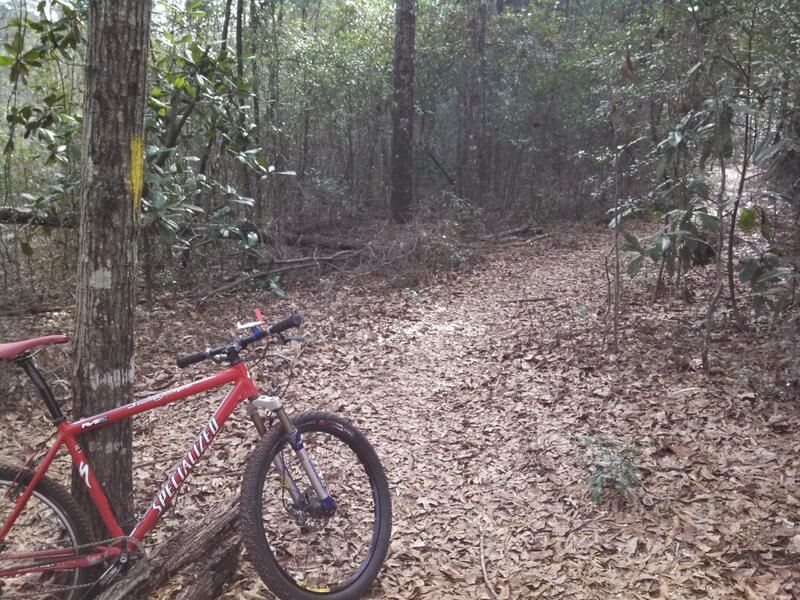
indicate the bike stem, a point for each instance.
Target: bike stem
{"x":256,"y":417}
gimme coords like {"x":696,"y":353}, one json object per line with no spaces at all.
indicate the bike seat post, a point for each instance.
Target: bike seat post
{"x":26,"y":362}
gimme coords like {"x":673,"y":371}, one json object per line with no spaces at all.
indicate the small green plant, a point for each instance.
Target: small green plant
{"x":273,"y":284}
{"x":612,"y":467}
{"x":774,"y":282}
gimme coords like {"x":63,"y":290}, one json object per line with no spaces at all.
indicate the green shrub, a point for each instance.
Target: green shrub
{"x":612,"y":468}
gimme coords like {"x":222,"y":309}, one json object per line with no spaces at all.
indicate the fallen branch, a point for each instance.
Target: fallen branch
{"x":488,"y":583}
{"x":439,"y":165}
{"x":313,"y":259}
{"x":513,"y":236}
{"x":32,"y":310}
{"x":500,"y":235}
{"x":206,"y":552}
{"x":529,"y":300}
{"x":30,"y":216}
{"x":319,"y":241}
{"x":529,"y":241}
{"x":283,"y":266}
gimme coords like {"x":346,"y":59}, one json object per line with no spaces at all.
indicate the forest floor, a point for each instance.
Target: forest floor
{"x":485,"y":395}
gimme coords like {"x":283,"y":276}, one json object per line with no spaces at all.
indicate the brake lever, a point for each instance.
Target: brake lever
{"x":250,"y":325}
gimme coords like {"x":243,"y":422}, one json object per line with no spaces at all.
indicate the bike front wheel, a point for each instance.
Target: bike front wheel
{"x":303,"y":553}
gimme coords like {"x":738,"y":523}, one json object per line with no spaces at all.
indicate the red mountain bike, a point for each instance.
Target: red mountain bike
{"x":315,"y":504}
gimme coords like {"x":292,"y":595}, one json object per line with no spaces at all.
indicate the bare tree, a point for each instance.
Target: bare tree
{"x":472,"y":168}
{"x":402,"y":179}
{"x":112,"y":177}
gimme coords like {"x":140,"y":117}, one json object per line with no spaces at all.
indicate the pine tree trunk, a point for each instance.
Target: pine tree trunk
{"x":472,"y":163}
{"x":111,"y":174}
{"x":256,"y":187}
{"x":402,"y":181}
{"x":226,"y":21}
{"x":241,"y":140}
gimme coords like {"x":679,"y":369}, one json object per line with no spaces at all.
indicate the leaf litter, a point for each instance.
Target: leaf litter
{"x":478,"y":407}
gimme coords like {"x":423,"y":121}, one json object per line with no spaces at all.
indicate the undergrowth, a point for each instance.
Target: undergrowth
{"x":612,"y":469}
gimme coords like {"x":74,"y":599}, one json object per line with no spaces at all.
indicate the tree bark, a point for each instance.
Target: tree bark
{"x":256,"y":187}
{"x":402,"y":180}
{"x":745,"y":164}
{"x":241,"y":136}
{"x":273,"y":153}
{"x":226,"y":20}
{"x":112,"y":176}
{"x":471,"y":173}
{"x":718,"y":275}
{"x":205,"y":552}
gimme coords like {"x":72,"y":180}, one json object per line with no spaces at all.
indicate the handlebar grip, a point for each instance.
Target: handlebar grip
{"x":293,"y":321}
{"x":185,"y":361}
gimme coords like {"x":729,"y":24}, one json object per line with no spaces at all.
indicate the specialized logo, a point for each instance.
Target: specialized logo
{"x":160,"y":395}
{"x":93,"y":423}
{"x":83,"y":471}
{"x":171,"y":486}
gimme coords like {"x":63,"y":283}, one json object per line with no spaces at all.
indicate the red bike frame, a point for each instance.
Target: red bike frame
{"x":68,"y":435}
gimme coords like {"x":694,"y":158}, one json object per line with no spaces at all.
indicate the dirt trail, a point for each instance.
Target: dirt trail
{"x":479,"y":407}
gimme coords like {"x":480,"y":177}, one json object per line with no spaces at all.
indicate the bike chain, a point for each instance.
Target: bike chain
{"x":109,"y":573}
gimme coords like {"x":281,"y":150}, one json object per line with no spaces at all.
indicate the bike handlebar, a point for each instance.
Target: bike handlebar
{"x":185,"y":361}
{"x":294,"y":321}
{"x":242,"y":342}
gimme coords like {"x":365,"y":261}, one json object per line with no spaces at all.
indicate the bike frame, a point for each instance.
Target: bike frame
{"x":68,"y":434}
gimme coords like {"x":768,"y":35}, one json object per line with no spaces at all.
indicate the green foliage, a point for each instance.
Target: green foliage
{"x":701,"y":75}
{"x":674,"y":245}
{"x":197,"y":101}
{"x":274,"y":287}
{"x":562,"y":127}
{"x":612,"y":469}
{"x":774,"y":283}
{"x":60,"y":28}
{"x":198,"y":111}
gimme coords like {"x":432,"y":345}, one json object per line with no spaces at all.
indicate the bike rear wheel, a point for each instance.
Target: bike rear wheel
{"x":299,"y":553}
{"x":51,"y":520}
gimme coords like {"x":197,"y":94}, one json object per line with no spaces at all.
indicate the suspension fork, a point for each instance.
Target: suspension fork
{"x":275,"y":405}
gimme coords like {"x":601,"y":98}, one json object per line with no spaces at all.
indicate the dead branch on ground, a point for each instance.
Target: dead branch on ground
{"x":524,"y":242}
{"x":282,"y":266}
{"x":488,"y":583}
{"x":500,"y":235}
{"x":14,"y":215}
{"x":206,"y":552}
{"x":529,"y":300}
{"x":305,"y":240}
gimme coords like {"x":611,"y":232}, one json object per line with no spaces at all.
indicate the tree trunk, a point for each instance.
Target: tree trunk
{"x":273,"y":154}
{"x":472,"y":164}
{"x":206,"y":553}
{"x":743,"y":177}
{"x":241,"y":136}
{"x":256,"y":187}
{"x":226,"y":20}
{"x":402,"y":181}
{"x":112,"y":176}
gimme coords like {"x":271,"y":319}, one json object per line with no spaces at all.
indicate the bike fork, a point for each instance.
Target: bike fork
{"x":274,"y":404}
